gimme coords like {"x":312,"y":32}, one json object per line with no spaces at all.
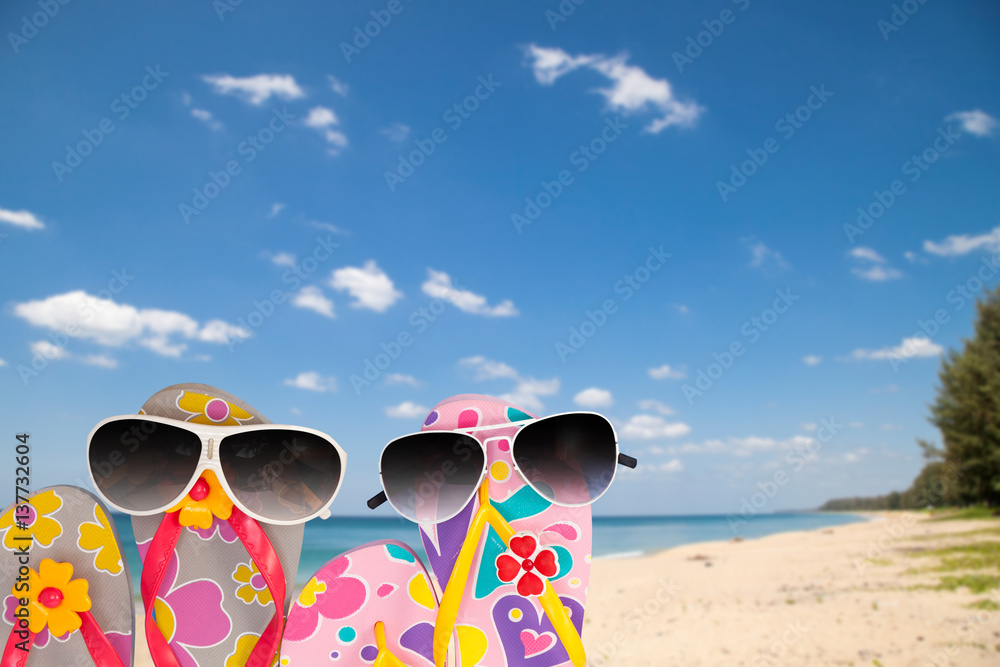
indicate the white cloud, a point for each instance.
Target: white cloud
{"x":914,"y":258}
{"x":257,"y":89}
{"x":809,"y":427}
{"x":872,"y":266}
{"x":745,"y":446}
{"x":915,"y":346}
{"x":440,"y":286}
{"x":764,"y":258}
{"x":666,"y":372}
{"x":877,"y":273}
{"x":275,"y":209}
{"x":652,"y":405}
{"x":49,"y":350}
{"x":632,"y":90}
{"x":283,"y":259}
{"x":80,"y":315}
{"x":327,"y":227}
{"x":368,"y":284}
{"x":312,"y":298}
{"x":163,"y":346}
{"x":961,"y":244}
{"x":3,"y":363}
{"x":206,"y":117}
{"x":812,"y":360}
{"x":400,"y":378}
{"x":396,"y":132}
{"x":23,"y":219}
{"x":100,"y":360}
{"x":320,"y":117}
{"x":53,"y":352}
{"x":526,"y":391}
{"x":869,"y":254}
{"x":312,"y":381}
{"x":594,"y":398}
{"x":323,"y":120}
{"x":976,"y":122}
{"x":406,"y":410}
{"x":890,"y":389}
{"x":673,"y":465}
{"x":336,"y":85}
{"x":652,"y":427}
{"x":487,"y":369}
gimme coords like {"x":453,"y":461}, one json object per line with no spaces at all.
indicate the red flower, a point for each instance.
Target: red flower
{"x":523,"y":559}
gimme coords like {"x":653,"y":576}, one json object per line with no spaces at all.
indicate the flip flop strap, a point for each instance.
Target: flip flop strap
{"x":264,"y":557}
{"x":257,"y":544}
{"x":154,"y":566}
{"x":12,"y":655}
{"x":100,"y":648}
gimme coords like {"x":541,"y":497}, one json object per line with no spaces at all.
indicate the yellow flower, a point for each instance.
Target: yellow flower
{"x":210,"y":410}
{"x":38,"y":526}
{"x":55,"y":598}
{"x":307,"y":597}
{"x":206,"y":499}
{"x":100,"y":538}
{"x":254,"y":585}
{"x":244,"y":647}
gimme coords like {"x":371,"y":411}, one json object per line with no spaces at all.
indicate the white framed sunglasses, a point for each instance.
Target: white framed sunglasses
{"x":284,"y":475}
{"x":570,"y":459}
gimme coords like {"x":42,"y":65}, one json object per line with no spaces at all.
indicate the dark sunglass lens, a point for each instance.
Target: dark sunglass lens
{"x":281,"y":474}
{"x":431,"y":476}
{"x":570,"y":459}
{"x":142,"y":465}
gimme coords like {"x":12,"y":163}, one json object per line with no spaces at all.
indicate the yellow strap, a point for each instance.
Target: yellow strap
{"x":447,"y":616}
{"x":385,"y":658}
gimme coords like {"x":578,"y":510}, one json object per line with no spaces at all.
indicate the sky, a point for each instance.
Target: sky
{"x":744,"y":231}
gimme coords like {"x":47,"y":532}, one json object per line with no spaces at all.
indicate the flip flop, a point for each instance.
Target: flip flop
{"x":372,"y":604}
{"x":209,"y":590}
{"x":503,"y":616}
{"x":63,"y":560}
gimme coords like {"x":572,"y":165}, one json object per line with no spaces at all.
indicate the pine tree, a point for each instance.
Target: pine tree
{"x":967,"y":408}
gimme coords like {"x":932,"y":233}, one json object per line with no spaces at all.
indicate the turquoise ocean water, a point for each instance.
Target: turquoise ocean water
{"x":613,"y":536}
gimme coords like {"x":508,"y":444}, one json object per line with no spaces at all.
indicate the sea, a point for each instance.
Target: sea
{"x":614,"y":537}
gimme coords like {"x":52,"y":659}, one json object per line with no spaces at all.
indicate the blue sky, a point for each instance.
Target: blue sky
{"x":515,"y":175}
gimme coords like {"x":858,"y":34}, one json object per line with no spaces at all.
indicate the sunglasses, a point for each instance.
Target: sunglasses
{"x":570,"y":459}
{"x":284,"y":475}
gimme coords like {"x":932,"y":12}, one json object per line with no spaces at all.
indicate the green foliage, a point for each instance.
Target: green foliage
{"x":966,"y":469}
{"x":967,"y":409}
{"x":985,"y":604}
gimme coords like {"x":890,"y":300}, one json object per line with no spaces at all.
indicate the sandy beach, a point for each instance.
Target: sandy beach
{"x":860,"y":594}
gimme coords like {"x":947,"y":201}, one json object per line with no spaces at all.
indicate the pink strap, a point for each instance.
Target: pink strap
{"x":161,"y":548}
{"x":97,"y":643}
{"x":12,"y":655}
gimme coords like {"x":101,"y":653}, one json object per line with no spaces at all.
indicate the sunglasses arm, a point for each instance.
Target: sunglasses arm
{"x":448,"y":612}
{"x":627,"y":461}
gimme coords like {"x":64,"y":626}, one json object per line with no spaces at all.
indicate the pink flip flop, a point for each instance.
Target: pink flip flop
{"x":500,"y":614}
{"x":67,"y":593}
{"x":372,"y":604}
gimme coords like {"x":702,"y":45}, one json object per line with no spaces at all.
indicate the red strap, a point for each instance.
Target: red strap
{"x":255,"y":540}
{"x":264,"y":557}
{"x":100,"y":648}
{"x":12,"y":655}
{"x":161,"y":548}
